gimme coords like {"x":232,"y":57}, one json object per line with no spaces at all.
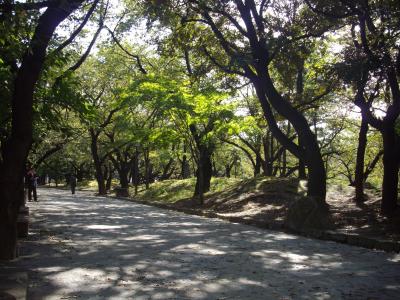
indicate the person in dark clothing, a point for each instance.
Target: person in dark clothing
{"x":72,"y":182}
{"x":31,"y":179}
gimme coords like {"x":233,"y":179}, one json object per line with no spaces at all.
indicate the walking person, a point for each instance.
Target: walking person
{"x":72,"y":182}
{"x":31,"y":179}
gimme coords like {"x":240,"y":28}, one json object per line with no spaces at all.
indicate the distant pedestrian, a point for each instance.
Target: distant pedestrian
{"x":31,"y":179}
{"x":72,"y":182}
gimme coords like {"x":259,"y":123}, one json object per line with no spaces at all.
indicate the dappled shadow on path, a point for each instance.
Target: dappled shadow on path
{"x":100,"y":248}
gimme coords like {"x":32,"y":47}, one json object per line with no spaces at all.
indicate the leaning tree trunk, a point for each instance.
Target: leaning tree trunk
{"x":299,"y":94}
{"x":17,"y":146}
{"x":391,"y":162}
{"x":302,"y":166}
{"x":311,"y":153}
{"x":359,"y":173}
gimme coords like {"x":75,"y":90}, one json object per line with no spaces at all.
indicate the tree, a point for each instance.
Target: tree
{"x":374,"y":56}
{"x":248,"y":40}
{"x":15,"y":149}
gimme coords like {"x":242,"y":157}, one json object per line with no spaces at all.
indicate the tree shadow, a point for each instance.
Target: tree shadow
{"x":99,"y":248}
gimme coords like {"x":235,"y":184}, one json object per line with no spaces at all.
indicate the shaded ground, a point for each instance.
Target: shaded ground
{"x":85,"y":247}
{"x":267,"y":200}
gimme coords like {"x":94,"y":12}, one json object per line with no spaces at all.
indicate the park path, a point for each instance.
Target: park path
{"x":86,"y":247}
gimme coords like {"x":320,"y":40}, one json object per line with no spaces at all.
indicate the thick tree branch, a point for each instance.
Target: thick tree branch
{"x":219,"y":65}
{"x":372,"y":164}
{"x":49,"y":153}
{"x":87,"y":52}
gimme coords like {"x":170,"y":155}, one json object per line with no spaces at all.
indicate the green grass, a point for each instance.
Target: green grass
{"x":171,"y":191}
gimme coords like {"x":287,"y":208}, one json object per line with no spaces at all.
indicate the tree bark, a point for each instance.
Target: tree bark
{"x":359,"y":172}
{"x":123,"y":178}
{"x":302,"y":166}
{"x":135,"y":176}
{"x":204,"y":172}
{"x":283,"y":170}
{"x":109,"y":177}
{"x":97,"y":163}
{"x":185,"y":168}
{"x":257,"y":166}
{"x":268,"y":164}
{"x":122,"y":165}
{"x":147,"y":168}
{"x":391,"y":161}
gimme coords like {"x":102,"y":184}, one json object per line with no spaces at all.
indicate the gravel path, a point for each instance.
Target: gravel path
{"x":85,"y":247}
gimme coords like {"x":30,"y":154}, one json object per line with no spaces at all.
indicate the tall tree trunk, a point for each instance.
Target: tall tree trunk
{"x":147,"y":168}
{"x":204,"y":172}
{"x":16,"y":148}
{"x":97,"y":163}
{"x":136,"y":170}
{"x":257,"y":166}
{"x":185,"y":168}
{"x":359,"y":172}
{"x":228,"y":170}
{"x":267,"y":141}
{"x":123,"y":178}
{"x":109,"y":177}
{"x":214,"y":169}
{"x":122,"y":167}
{"x":391,"y":161}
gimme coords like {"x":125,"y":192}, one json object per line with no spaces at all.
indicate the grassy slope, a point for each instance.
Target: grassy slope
{"x":171,"y":191}
{"x":229,"y":196}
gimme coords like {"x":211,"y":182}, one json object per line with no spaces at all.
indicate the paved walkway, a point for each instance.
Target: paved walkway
{"x":85,"y":247}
